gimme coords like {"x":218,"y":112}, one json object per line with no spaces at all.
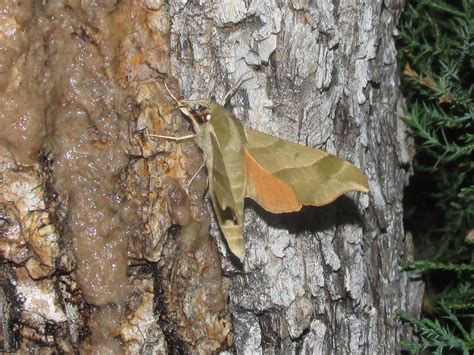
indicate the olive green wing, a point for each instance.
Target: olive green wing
{"x":281,"y":175}
{"x":226,"y":188}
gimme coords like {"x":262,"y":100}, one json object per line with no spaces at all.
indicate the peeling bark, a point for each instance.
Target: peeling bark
{"x":82,"y":89}
{"x":325,"y":280}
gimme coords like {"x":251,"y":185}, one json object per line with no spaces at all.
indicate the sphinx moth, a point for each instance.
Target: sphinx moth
{"x":279,"y":175}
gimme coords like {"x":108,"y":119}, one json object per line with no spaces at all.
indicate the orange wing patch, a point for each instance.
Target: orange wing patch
{"x":268,"y":191}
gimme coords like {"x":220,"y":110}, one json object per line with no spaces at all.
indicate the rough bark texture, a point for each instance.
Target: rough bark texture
{"x":326,"y":280}
{"x":85,"y":189}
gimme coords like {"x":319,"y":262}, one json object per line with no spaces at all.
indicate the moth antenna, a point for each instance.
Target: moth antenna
{"x":183,"y":107}
{"x":171,"y":94}
{"x":235,"y":87}
{"x":193,"y":120}
{"x":199,"y":102}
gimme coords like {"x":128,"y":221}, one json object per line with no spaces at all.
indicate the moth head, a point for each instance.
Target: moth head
{"x":202,"y":113}
{"x":197,"y":111}
{"x":199,"y":114}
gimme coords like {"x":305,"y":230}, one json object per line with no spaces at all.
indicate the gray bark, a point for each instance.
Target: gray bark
{"x":325,"y":280}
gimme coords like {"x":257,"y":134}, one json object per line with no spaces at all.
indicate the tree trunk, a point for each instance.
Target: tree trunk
{"x":87,"y":189}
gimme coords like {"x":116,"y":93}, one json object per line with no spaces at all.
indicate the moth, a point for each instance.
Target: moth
{"x":279,"y":175}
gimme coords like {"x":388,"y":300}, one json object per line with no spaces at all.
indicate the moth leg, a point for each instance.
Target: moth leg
{"x":171,"y":138}
{"x":196,"y":173}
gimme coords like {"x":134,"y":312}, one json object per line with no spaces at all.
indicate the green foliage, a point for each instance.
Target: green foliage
{"x":438,"y":337}
{"x":421,"y":266}
{"x":436,"y":51}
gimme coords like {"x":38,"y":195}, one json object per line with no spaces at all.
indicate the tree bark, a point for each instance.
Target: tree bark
{"x":324,"y":280}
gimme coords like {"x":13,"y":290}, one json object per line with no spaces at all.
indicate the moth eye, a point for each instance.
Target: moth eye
{"x":207,"y":117}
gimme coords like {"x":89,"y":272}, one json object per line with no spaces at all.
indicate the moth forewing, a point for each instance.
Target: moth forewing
{"x":222,"y":140}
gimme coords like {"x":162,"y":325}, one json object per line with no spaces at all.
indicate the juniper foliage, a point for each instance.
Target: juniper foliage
{"x":436,"y":52}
